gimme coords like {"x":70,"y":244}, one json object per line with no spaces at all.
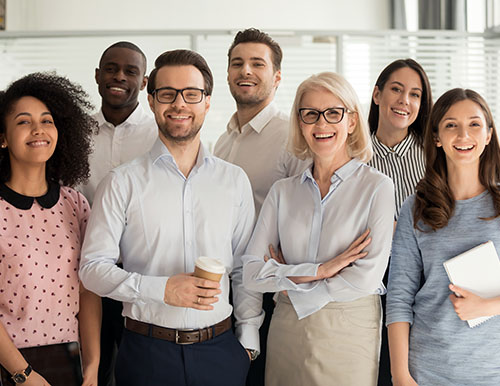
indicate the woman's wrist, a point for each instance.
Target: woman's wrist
{"x":90,"y":364}
{"x":400,"y":373}
{"x":320,"y":273}
{"x":493,"y":306}
{"x":90,"y":368}
{"x":20,"y":366}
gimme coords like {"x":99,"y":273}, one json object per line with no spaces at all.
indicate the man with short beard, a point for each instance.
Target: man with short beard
{"x":161,"y":212}
{"x":256,"y":135}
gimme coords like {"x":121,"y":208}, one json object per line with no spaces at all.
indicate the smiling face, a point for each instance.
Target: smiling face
{"x":399,"y":100}
{"x":326,"y":140}
{"x":463,"y":133}
{"x":120,"y":77}
{"x":251,"y":77}
{"x":30,"y":134}
{"x":178,"y":121}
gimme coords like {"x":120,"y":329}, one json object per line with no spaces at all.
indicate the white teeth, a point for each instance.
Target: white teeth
{"x":38,"y":143}
{"x":179,"y":116}
{"x":323,"y":135}
{"x":401,"y":112}
{"x":246,"y":84}
{"x":464,"y":147}
{"x":117,"y":89}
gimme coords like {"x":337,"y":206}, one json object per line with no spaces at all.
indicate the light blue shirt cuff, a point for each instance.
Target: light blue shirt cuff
{"x":289,"y":285}
{"x":248,"y":335}
{"x":304,"y":269}
{"x":307,"y":303}
{"x":152,"y":289}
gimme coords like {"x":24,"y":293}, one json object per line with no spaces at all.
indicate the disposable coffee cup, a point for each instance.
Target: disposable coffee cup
{"x":209,"y":268}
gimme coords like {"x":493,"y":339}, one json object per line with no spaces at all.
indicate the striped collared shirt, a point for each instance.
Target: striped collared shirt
{"x":404,"y":163}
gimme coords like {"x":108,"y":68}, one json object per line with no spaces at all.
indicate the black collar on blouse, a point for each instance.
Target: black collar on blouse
{"x":47,"y":201}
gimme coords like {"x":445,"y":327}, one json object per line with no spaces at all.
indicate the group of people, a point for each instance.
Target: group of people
{"x":102,"y":218}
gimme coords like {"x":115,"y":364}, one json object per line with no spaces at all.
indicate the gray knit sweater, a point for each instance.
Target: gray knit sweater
{"x":443,"y":349}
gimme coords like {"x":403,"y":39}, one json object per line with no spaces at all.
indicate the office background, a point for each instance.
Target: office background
{"x":456,"y":41}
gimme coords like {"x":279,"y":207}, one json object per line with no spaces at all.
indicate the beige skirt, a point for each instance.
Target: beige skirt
{"x":337,"y":345}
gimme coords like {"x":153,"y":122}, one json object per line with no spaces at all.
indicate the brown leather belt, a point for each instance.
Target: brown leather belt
{"x":178,"y":336}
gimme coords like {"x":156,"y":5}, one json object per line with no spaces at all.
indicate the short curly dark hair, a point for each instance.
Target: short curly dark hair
{"x":70,"y":107}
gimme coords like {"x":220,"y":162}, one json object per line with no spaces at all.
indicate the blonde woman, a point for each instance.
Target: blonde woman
{"x":334,"y":224}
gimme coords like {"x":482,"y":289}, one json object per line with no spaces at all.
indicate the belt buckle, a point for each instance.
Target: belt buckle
{"x":177,"y":337}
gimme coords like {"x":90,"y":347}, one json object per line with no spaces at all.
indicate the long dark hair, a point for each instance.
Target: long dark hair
{"x":417,"y":127}
{"x":434,"y":203}
{"x":70,"y":108}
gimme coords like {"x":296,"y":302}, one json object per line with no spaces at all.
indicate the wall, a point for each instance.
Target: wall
{"x":50,"y":15}
{"x":77,"y":57}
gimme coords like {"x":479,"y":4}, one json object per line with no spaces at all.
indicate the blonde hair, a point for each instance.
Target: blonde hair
{"x":359,"y":144}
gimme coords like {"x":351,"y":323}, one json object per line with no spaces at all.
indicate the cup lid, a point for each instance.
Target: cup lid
{"x":210,"y":264}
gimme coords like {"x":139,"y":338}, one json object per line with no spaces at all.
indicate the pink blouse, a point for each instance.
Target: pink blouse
{"x":39,"y":258}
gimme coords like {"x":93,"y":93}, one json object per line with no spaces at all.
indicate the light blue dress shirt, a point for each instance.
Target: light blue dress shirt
{"x":160,"y":222}
{"x":312,"y":231}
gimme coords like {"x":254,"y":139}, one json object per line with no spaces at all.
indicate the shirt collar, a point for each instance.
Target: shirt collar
{"x":258,"y":122}
{"x":160,"y":152}
{"x":400,"y":149}
{"x":47,"y":201}
{"x":135,"y":118}
{"x":343,"y":172}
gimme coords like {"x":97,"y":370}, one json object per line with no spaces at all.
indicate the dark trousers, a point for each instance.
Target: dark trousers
{"x":258,"y":366}
{"x":149,"y":361}
{"x":384,"y":371}
{"x":111,"y":334}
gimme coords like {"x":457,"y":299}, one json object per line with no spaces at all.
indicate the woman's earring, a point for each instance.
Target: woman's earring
{"x":4,"y":145}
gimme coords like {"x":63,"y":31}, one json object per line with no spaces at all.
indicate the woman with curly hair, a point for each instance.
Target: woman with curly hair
{"x":45,"y":132}
{"x":456,"y":208}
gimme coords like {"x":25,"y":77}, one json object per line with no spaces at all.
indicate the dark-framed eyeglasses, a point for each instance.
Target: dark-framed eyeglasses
{"x":331,"y":115}
{"x":190,"y":95}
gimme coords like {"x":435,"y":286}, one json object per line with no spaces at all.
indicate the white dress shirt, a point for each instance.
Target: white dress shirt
{"x":312,"y":231}
{"x":115,"y":145}
{"x":260,"y":150}
{"x":159,"y":221}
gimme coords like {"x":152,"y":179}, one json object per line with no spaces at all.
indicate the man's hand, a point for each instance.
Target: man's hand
{"x":186,"y":290}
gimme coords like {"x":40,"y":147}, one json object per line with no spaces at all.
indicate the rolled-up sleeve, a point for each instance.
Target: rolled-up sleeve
{"x":405,"y":269}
